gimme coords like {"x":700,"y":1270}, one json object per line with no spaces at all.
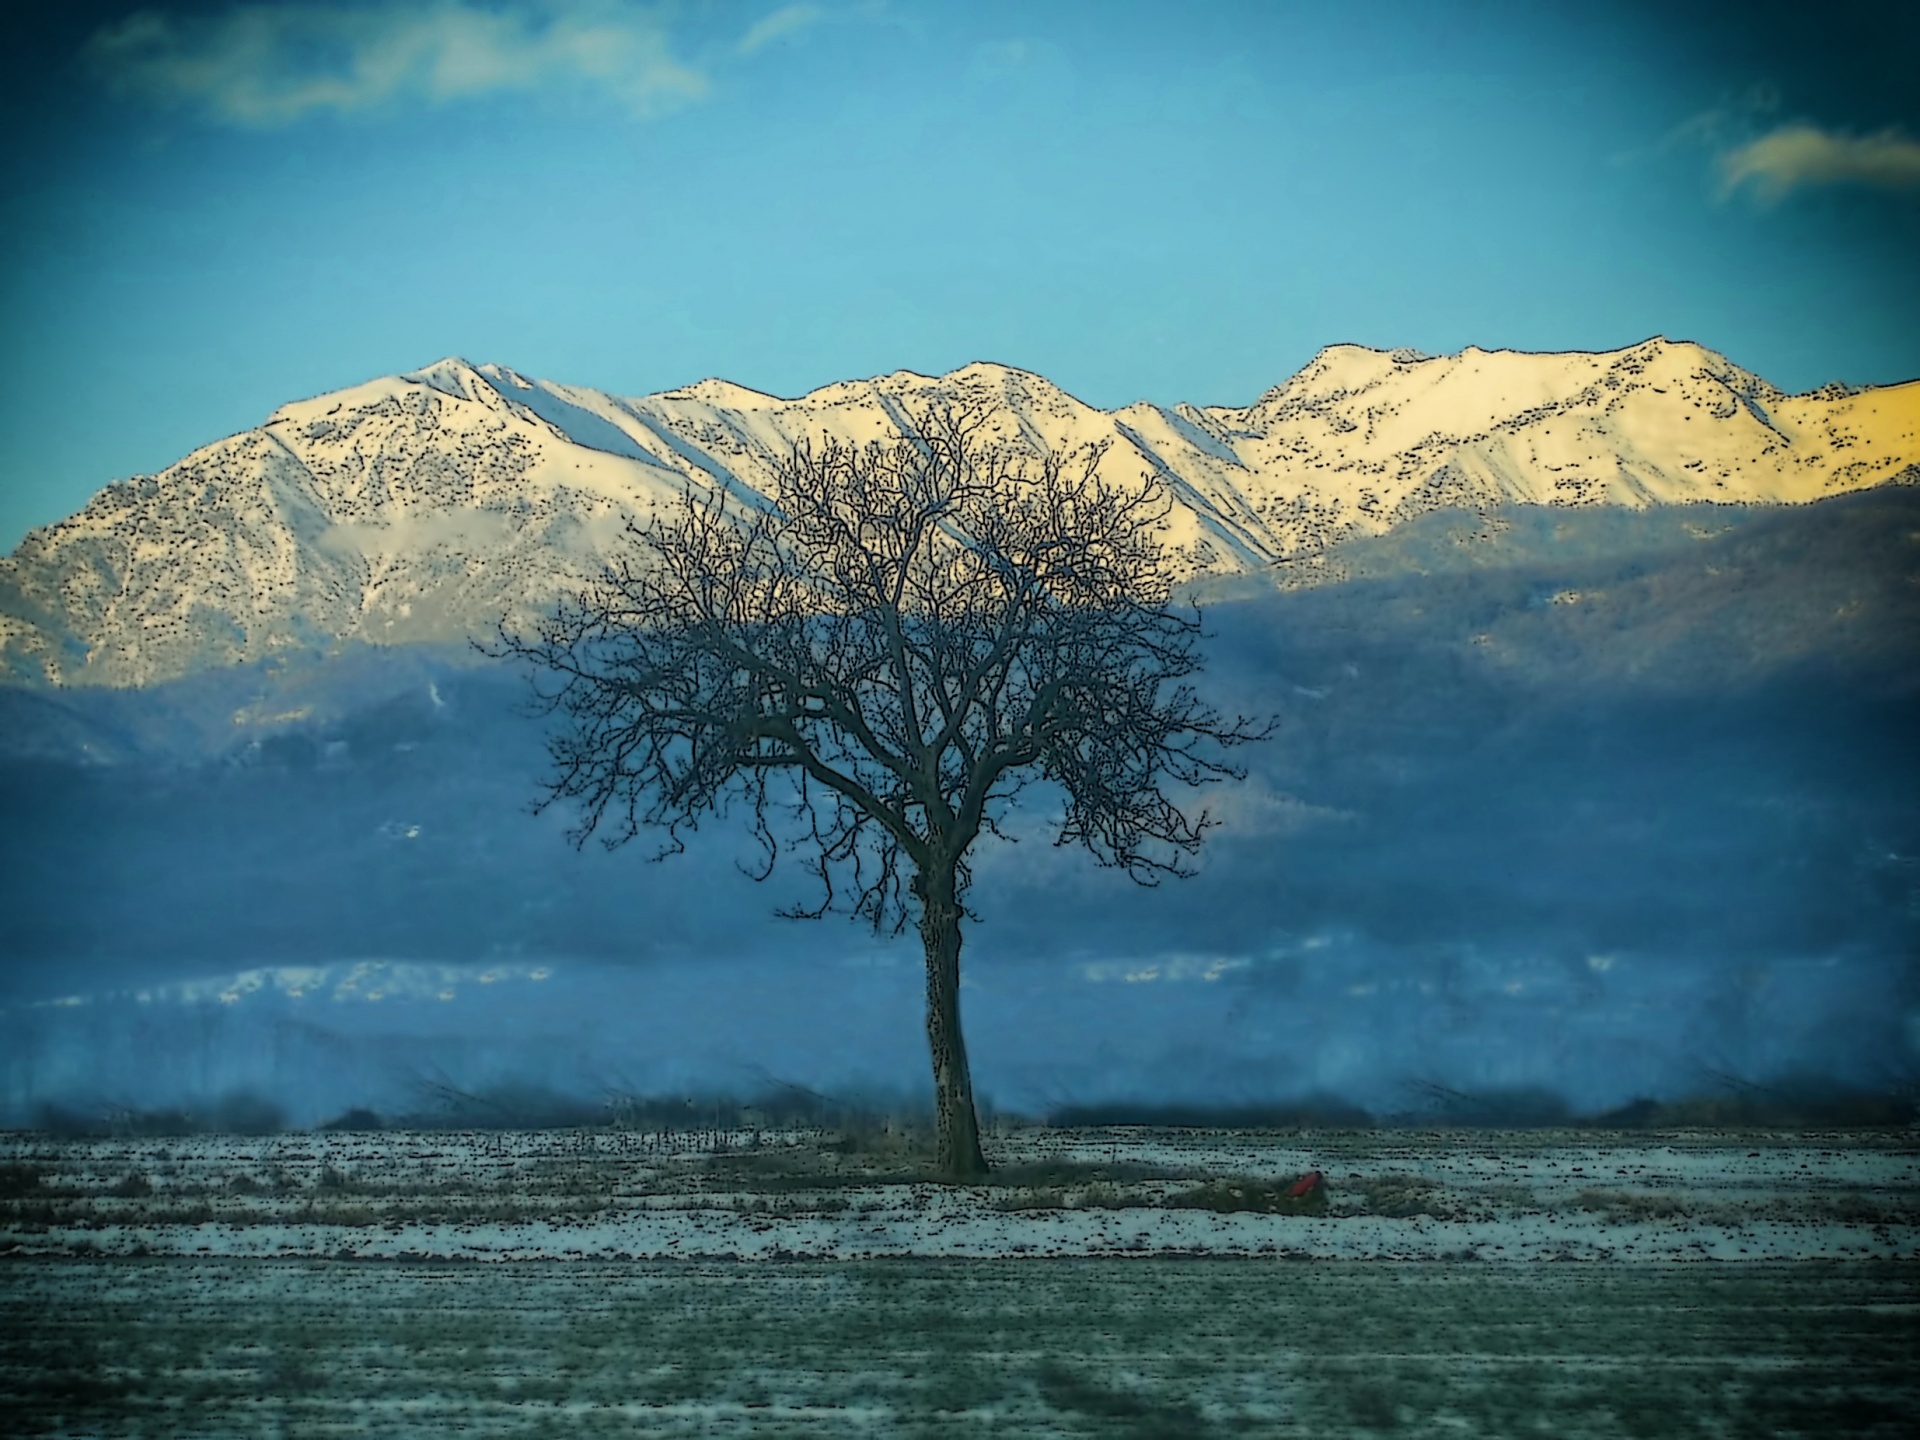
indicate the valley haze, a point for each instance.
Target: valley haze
{"x":1594,"y":782}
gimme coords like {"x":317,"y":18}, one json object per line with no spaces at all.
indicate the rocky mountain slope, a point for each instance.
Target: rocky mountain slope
{"x":1584,"y":785}
{"x":428,"y":506}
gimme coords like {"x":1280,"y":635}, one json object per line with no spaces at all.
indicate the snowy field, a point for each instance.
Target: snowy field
{"x":613,"y":1194}
{"x":1129,"y":1282}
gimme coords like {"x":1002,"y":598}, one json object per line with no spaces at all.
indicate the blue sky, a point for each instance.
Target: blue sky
{"x":213,"y":209}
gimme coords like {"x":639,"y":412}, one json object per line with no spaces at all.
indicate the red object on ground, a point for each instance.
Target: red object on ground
{"x":1306,"y":1184}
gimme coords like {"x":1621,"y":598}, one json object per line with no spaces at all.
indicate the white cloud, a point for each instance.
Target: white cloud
{"x":1252,"y":807}
{"x":1171,"y":968}
{"x":266,"y":65}
{"x":1739,"y":114}
{"x":787,"y":20}
{"x":1794,"y":156}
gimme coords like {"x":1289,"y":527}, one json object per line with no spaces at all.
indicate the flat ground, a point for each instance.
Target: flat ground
{"x":1163,"y":1346}
{"x":1121,"y":1283}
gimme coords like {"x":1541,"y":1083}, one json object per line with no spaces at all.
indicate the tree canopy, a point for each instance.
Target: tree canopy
{"x":873,"y":662}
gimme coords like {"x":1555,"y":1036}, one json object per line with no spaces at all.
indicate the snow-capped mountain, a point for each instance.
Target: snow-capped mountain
{"x":429,"y":506}
{"x":1583,"y":782}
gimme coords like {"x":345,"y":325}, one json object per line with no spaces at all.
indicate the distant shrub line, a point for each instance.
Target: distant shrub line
{"x":701,"y":1122}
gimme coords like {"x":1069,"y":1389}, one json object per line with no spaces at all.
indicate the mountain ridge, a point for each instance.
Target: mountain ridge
{"x":428,"y":505}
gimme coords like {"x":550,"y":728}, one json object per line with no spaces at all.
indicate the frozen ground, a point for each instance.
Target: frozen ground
{"x":610,"y":1194}
{"x":1726,"y":1284}
{"x":1110,"y":1347}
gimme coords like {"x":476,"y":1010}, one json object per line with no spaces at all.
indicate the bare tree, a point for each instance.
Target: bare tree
{"x":873,"y":664}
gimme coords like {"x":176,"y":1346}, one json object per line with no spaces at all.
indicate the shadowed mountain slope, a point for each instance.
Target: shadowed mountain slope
{"x":1632,"y":846}
{"x":1600,"y":797}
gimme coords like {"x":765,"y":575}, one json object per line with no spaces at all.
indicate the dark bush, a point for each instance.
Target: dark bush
{"x":358,"y":1118}
{"x":243,"y":1113}
{"x":1314,"y":1112}
{"x":238,"y":1113}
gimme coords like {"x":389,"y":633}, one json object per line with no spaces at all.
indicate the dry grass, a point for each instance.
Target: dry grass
{"x":1246,"y":1194}
{"x":393,"y":1177}
{"x":1630,"y":1205}
{"x":1401,"y":1197}
{"x":1026,"y":1348}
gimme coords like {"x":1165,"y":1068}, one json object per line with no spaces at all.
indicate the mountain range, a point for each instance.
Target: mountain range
{"x":432,"y":505}
{"x":1597,"y":676}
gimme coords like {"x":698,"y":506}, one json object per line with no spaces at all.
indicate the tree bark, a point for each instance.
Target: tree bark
{"x":957,"y":1151}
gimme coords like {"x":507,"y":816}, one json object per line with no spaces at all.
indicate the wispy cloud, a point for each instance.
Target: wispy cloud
{"x":1738,"y":114}
{"x":1793,"y":157}
{"x":262,"y":65}
{"x":787,"y":20}
{"x":1021,"y":59}
{"x":1716,"y":129}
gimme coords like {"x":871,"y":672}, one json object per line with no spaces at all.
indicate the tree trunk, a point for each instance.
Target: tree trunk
{"x":957,"y":1135}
